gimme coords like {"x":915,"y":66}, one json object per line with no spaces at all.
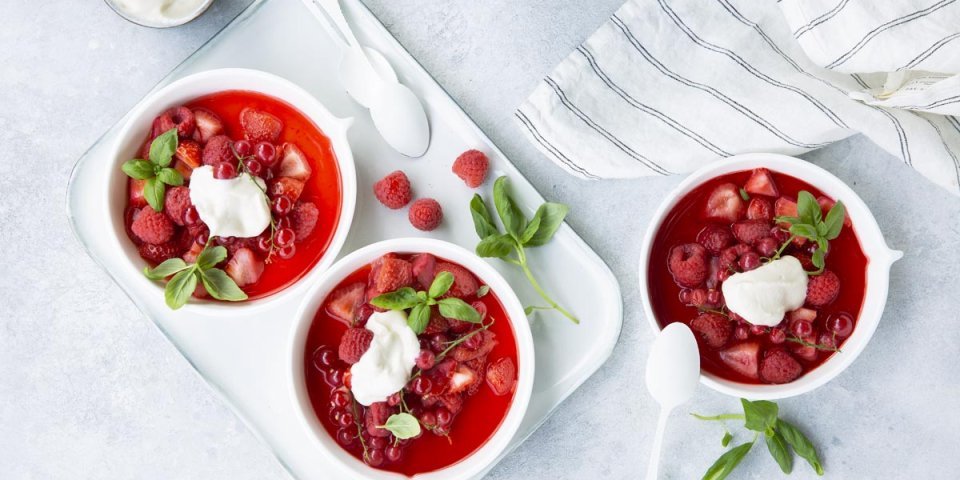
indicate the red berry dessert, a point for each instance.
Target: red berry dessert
{"x":411,"y":363}
{"x":765,"y":269}
{"x":471,"y":166}
{"x":238,"y":170}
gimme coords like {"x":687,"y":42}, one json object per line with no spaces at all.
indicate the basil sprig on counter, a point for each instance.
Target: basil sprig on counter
{"x":419,"y":303}
{"x":186,"y":276}
{"x":156,"y":170}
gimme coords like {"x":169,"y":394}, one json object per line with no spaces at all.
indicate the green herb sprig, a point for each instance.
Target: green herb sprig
{"x":186,"y":276}
{"x":520,"y":234}
{"x":762,"y":417}
{"x":420,"y":303}
{"x":810,"y":223}
{"x":156,"y":170}
{"x":402,"y":425}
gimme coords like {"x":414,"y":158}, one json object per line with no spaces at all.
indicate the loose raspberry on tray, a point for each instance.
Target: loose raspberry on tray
{"x":471,"y":166}
{"x":393,"y":190}
{"x":425,"y":214}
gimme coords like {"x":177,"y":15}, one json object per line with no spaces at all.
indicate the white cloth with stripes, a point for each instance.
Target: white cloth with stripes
{"x":666,"y":86}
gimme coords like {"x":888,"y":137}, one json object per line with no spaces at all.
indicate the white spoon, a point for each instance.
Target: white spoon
{"x":673,"y":371}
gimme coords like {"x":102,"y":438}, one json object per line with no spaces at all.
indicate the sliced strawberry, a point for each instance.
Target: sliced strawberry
{"x":244,"y":267}
{"x":344,"y":301}
{"x":393,"y":274}
{"x":293,"y":163}
{"x":190,"y":153}
{"x":714,"y":329}
{"x":424,"y":268}
{"x":135,"y":191}
{"x":193,"y":251}
{"x":260,"y":126}
{"x":750,"y":231}
{"x":785,"y":207}
{"x":353,"y":344}
{"x":725,"y":203}
{"x":760,"y":208}
{"x":288,"y":186}
{"x":462,"y":353}
{"x":463,"y":377}
{"x":778,"y":366}
{"x":761,"y":183}
{"x":742,"y":358}
{"x":826,"y":204}
{"x":805,"y":352}
{"x":502,"y":376}
{"x":801,"y":314}
{"x":185,"y":171}
{"x":464,"y":283}
{"x":209,"y":124}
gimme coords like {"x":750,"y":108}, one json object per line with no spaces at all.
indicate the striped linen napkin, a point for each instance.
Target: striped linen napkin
{"x":665,"y":86}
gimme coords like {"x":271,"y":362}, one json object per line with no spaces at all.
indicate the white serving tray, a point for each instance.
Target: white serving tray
{"x":243,"y":357}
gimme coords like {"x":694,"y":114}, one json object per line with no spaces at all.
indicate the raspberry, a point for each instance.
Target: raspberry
{"x":464,"y":283}
{"x":714,"y":329}
{"x":375,"y":417}
{"x":715,"y":238}
{"x":760,"y":209}
{"x":502,"y":376}
{"x":779,"y":366}
{"x":303,"y":219}
{"x":260,"y":126}
{"x":354,"y":343}
{"x":471,"y":166}
{"x":393,"y":191}
{"x":392,"y":274}
{"x":344,"y":302}
{"x":425,"y":214}
{"x":176,"y":203}
{"x":751,"y":231}
{"x":217,"y":150}
{"x":183,"y":118}
{"x":158,"y":253}
{"x":823,"y":289}
{"x":152,"y":226}
{"x":688,"y":264}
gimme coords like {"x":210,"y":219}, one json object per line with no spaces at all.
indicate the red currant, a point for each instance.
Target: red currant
{"x":778,"y":335}
{"x":473,"y":342}
{"x":346,"y":419}
{"x":224,"y":171}
{"x":444,"y":417}
{"x":282,"y":205}
{"x":749,"y":261}
{"x":741,"y":332}
{"x":393,"y":453}
{"x":802,"y":328}
{"x":374,"y":458}
{"x":191,"y":216}
{"x":378,"y":443}
{"x":335,"y":378}
{"x":421,"y":385}
{"x":426,"y":359}
{"x":287,"y":252}
{"x":203,"y":237}
{"x":283,"y":222}
{"x":394,"y":400}
{"x":340,"y":399}
{"x":324,"y":358}
{"x":254,"y":167}
{"x":438,"y":342}
{"x":263,"y":242}
{"x":346,"y":436}
{"x":266,"y":153}
{"x":428,"y":419}
{"x":841,"y":324}
{"x":767,"y":246}
{"x":243,"y":147}
{"x":284,"y":237}
{"x":758,"y":329}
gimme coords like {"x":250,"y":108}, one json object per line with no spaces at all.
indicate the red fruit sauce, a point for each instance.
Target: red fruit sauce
{"x":481,"y":414}
{"x":685,"y":221}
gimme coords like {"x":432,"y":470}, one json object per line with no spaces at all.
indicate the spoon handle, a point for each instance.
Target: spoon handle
{"x":654,"y":465}
{"x":332,"y":7}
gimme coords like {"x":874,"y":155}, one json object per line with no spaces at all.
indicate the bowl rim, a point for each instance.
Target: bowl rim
{"x":200,"y":10}
{"x":209,"y":82}
{"x":477,"y":461}
{"x":879,"y":259}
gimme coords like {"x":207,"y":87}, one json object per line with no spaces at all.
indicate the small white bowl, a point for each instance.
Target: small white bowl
{"x":479,"y":460}
{"x":879,"y":259}
{"x":146,"y":22}
{"x":138,"y":123}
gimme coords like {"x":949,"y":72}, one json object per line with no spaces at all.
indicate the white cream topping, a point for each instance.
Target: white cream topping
{"x":762,"y":296}
{"x":386,"y":366}
{"x":233,"y":207}
{"x":160,"y":12}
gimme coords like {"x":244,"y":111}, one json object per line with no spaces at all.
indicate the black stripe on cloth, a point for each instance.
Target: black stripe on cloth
{"x":648,"y":109}
{"x":886,"y":26}
{"x":904,"y":145}
{"x":821,"y":19}
{"x":860,"y":80}
{"x":953,"y":121}
{"x":938,"y":103}
{"x":956,"y":164}
{"x":929,"y":51}
{"x":602,"y":131}
{"x":549,"y":146}
{"x":747,"y":66}
{"x":708,"y":89}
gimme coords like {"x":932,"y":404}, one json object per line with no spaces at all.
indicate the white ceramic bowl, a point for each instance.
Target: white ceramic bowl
{"x":479,"y":460}
{"x":879,"y":259}
{"x":138,"y":123}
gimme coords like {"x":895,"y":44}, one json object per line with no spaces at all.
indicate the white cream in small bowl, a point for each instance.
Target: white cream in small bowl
{"x":159,"y":13}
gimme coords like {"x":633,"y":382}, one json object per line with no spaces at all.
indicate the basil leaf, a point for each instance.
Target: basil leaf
{"x":419,"y":318}
{"x":804,"y":230}
{"x":482,"y":291}
{"x":482,"y":221}
{"x":532,"y":227}
{"x":163,"y":147}
{"x":165,"y":269}
{"x":726,"y":439}
{"x":401,"y":299}
{"x":727,"y":462}
{"x":760,"y":415}
{"x":138,"y":169}
{"x":808,"y":208}
{"x":441,"y":283}
{"x":834,"y":220}
{"x":210,"y":257}
{"x":779,"y":451}
{"x":790,"y":220}
{"x":818,"y":258}
{"x":170,"y":177}
{"x":153,"y":191}
{"x":552,"y":215}
{"x":458,"y":309}
{"x":179,"y":288}
{"x":510,"y":215}
{"x":220,"y":286}
{"x":402,"y":426}
{"x":495,"y":246}
{"x":801,"y":444}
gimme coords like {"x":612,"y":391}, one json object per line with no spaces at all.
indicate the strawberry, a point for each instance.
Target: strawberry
{"x":715,"y":238}
{"x":244,"y":267}
{"x":688,"y":264}
{"x":725,"y":203}
{"x":464,"y":283}
{"x":750,"y":231}
{"x":502,"y":376}
{"x":761,"y":183}
{"x":135,"y":193}
{"x":714,"y":329}
{"x":801,"y":314}
{"x":785,"y":207}
{"x":471,"y":166}
{"x":760,"y":208}
{"x":288,"y":186}
{"x":742,"y":358}
{"x":441,"y":372}
{"x":209,"y":124}
{"x":193,"y":251}
{"x":424,"y":268}
{"x":152,"y":227}
{"x":463,"y":377}
{"x":260,"y":126}
{"x":217,"y":150}
{"x":375,"y":417}
{"x":184,"y":120}
{"x":293,"y":163}
{"x":344,"y":301}
{"x":185,"y":170}
{"x":393,"y":190}
{"x":823,"y":289}
{"x":303,"y":219}
{"x":481,"y":308}
{"x":452,"y":402}
{"x":393,"y":274}
{"x":425,"y":214}
{"x":805,"y":352}
{"x":161,"y":123}
{"x":176,"y":202}
{"x":354,"y":343}
{"x":826,"y":204}
{"x":437,"y":324}
{"x":129,"y":215}
{"x":189,"y":153}
{"x":778,"y":366}
{"x":158,"y":253}
{"x":463,"y":353}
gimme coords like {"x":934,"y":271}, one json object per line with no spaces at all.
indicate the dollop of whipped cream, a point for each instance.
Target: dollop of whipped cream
{"x":762,"y":296}
{"x":160,"y":12}
{"x":385,"y":367}
{"x":232,"y":207}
